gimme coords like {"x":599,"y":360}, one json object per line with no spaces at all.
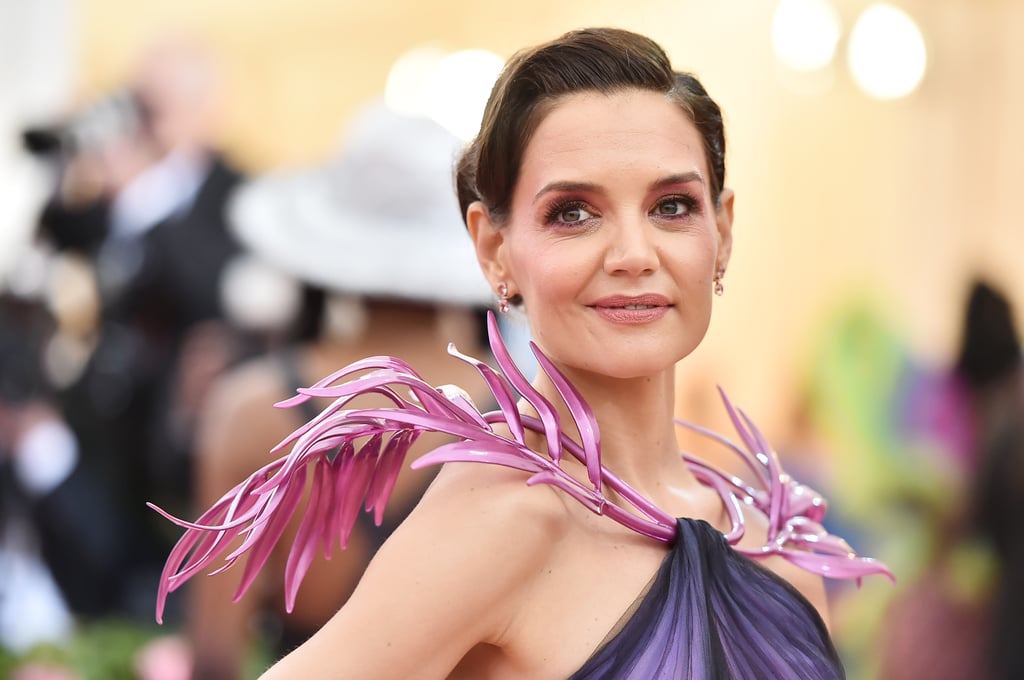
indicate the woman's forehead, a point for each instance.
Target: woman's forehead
{"x":594,"y":135}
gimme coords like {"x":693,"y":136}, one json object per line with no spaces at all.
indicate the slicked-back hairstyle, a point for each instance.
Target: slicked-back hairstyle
{"x":605,"y":60}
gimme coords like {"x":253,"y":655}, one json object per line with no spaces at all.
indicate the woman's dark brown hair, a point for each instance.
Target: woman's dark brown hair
{"x":605,"y":60}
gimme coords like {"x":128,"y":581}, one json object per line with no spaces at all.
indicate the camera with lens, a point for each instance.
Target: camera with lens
{"x":120,"y":115}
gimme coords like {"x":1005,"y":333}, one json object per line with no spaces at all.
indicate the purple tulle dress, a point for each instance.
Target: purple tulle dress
{"x":713,"y":613}
{"x":710,"y":612}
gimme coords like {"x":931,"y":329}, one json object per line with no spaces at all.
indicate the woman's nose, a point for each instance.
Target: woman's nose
{"x":631,"y":249}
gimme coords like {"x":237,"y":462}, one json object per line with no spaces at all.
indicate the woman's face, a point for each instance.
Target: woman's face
{"x":612,"y":238}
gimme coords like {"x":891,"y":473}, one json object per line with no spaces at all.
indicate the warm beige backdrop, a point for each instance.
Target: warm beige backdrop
{"x":837,"y":194}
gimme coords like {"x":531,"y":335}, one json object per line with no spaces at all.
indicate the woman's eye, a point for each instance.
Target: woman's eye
{"x":673,"y":206}
{"x":569,"y":214}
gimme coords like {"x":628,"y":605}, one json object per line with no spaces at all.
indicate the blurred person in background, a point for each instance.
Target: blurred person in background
{"x":37,"y":455}
{"x":381,"y":277}
{"x":38,"y":452}
{"x":1001,"y":505}
{"x":990,"y":367}
{"x":139,"y":206}
{"x":60,"y":534}
{"x":960,"y":616}
{"x":862,"y":403}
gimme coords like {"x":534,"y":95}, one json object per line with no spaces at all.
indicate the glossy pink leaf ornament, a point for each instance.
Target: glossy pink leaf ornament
{"x":352,"y":457}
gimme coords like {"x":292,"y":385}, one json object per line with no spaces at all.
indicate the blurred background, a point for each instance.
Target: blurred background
{"x":867,"y":324}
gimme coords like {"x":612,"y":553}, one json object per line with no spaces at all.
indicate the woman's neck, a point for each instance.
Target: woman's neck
{"x":635,"y":418}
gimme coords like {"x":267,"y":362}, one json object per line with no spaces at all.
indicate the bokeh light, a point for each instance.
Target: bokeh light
{"x":405,"y":89}
{"x":451,"y":88}
{"x":886,"y":52}
{"x":805,"y":33}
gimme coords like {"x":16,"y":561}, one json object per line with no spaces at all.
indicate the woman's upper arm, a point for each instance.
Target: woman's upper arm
{"x":444,"y":582}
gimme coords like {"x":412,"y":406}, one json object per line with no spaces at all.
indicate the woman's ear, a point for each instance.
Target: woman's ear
{"x":489,"y":240}
{"x":723,"y":220}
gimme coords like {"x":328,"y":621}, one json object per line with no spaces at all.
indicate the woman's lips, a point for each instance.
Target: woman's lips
{"x":632,"y":309}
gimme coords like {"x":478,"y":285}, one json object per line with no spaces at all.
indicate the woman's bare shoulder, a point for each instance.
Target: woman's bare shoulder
{"x":484,"y":525}
{"x":449,"y":578}
{"x":492,"y":500}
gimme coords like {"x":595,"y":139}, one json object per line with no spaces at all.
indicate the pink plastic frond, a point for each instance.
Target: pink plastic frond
{"x":794,"y":511}
{"x":353,"y":456}
{"x":590,"y":435}
{"x":552,"y":428}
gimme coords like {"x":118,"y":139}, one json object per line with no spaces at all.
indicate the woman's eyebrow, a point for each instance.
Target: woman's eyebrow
{"x":589,"y":187}
{"x":680,"y":178}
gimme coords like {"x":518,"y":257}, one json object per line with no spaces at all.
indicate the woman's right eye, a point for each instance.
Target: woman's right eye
{"x":573,"y":213}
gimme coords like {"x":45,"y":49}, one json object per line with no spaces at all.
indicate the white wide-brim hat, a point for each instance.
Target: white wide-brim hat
{"x":380,"y":220}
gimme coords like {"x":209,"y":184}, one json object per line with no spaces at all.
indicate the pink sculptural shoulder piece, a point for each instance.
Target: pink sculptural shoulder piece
{"x":353,"y":457}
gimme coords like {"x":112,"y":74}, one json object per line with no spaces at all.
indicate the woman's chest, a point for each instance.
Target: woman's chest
{"x":578,"y":598}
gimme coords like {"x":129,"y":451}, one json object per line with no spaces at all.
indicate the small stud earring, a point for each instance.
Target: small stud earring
{"x":503,"y":303}
{"x":719,"y":287}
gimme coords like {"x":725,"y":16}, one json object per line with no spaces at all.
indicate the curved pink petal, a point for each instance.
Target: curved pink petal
{"x":552,"y":427}
{"x":590,"y":434}
{"x":308,"y":539}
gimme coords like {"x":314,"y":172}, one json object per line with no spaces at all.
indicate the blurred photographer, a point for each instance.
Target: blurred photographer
{"x":139,"y":199}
